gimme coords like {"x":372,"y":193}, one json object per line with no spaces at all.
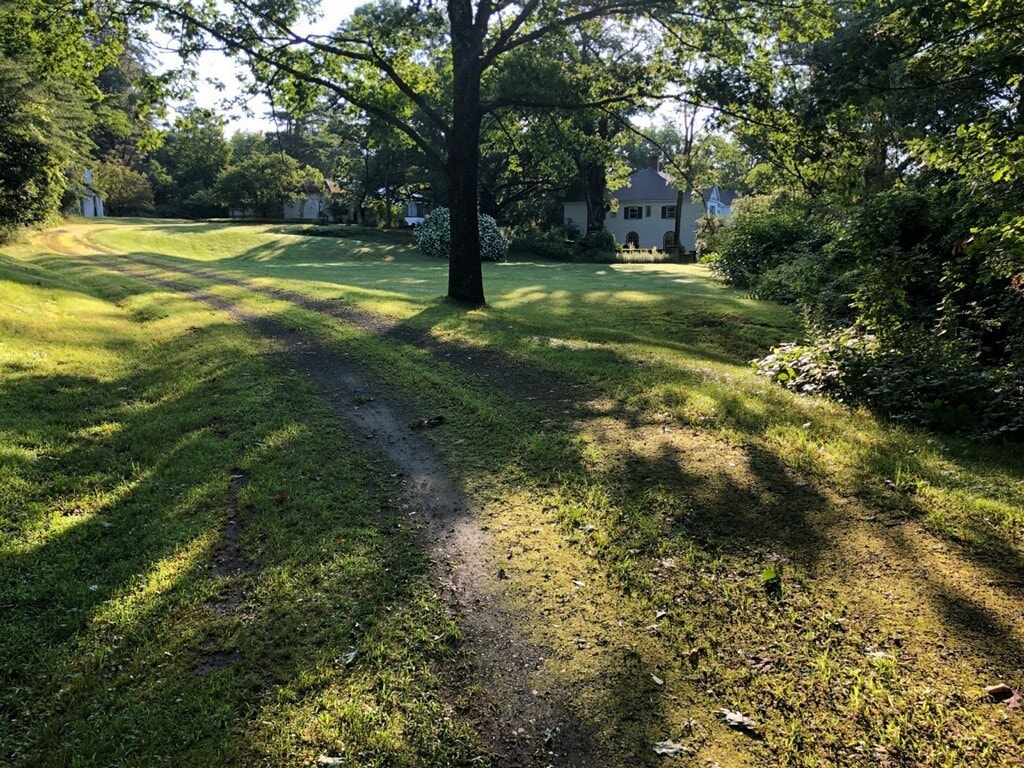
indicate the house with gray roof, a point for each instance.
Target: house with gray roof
{"x":643,"y":213}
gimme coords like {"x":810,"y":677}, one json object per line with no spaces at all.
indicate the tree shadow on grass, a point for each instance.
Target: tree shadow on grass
{"x":742,"y":517}
{"x":107,"y":616}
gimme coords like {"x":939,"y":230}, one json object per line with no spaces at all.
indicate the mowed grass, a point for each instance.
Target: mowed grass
{"x":850,"y":585}
{"x":197,"y":567}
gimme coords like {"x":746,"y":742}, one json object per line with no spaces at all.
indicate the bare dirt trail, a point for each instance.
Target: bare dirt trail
{"x":529,"y":721}
{"x":521,"y":727}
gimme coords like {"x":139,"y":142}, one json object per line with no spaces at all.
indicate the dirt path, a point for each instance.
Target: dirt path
{"x":521,"y":727}
{"x":924,"y":584}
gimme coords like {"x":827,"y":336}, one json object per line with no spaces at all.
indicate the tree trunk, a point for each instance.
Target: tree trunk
{"x":462,"y":171}
{"x":594,"y":193}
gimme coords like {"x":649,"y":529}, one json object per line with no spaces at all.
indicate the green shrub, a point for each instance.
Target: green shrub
{"x":597,"y":246}
{"x":531,"y":242}
{"x":434,"y":237}
{"x":762,"y":234}
{"x":917,"y":378}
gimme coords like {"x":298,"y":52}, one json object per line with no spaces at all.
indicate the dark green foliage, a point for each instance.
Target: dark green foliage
{"x":552,"y":245}
{"x":923,"y":379}
{"x":193,"y":155}
{"x":262,"y":183}
{"x":764,"y":234}
{"x":903,"y":121}
{"x":38,"y":141}
{"x":125,"y":192}
{"x":597,"y":245}
{"x":533,"y":243}
{"x":909,"y":317}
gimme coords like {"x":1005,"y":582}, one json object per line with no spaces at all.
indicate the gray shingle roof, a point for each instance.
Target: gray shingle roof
{"x":649,"y":185}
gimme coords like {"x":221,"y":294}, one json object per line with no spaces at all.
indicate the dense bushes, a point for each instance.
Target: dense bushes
{"x":553,"y":245}
{"x":906,"y":313}
{"x":924,"y":379}
{"x":764,"y":234}
{"x":534,"y":243}
{"x":434,"y":237}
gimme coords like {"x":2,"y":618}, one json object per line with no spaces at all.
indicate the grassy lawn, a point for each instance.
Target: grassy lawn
{"x":194,"y":567}
{"x":685,"y":537}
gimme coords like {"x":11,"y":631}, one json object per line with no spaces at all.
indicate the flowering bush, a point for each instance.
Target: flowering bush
{"x":434,"y":237}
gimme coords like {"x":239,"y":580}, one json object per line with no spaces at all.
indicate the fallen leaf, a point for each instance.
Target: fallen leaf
{"x":657,"y":680}
{"x":669,"y":748}
{"x":325,"y":760}
{"x":433,"y":421}
{"x":693,"y":656}
{"x":660,"y":615}
{"x":738,"y":721}
{"x":579,"y":583}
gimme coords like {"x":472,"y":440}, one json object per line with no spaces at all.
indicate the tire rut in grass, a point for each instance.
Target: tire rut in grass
{"x":520,"y":727}
{"x":229,"y":562}
{"x":231,"y":565}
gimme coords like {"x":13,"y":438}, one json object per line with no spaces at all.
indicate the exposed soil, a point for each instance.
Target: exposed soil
{"x":521,"y":726}
{"x":890,"y":569}
{"x":228,"y":560}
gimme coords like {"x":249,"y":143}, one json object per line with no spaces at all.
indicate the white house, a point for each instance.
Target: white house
{"x":646,"y":210}
{"x":313,"y":205}
{"x":416,"y":209}
{"x":91,"y":204}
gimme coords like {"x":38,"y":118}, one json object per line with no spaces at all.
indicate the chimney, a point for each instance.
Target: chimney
{"x":653,"y":164}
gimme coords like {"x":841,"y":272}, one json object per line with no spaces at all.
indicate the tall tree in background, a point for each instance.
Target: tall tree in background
{"x":379,"y":61}
{"x":193,"y":154}
{"x":130,"y":99}
{"x":263,"y":182}
{"x":48,"y":64}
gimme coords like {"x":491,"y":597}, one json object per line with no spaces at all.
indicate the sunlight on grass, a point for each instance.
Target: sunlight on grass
{"x":129,"y":411}
{"x":668,"y":480}
{"x":126,"y":608}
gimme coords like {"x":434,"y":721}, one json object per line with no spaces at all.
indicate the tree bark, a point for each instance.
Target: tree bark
{"x":462,"y":169}
{"x":677,"y":227}
{"x":594,"y":193}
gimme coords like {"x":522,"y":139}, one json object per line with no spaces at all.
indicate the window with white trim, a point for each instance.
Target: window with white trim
{"x":668,"y":211}
{"x":633,"y":212}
